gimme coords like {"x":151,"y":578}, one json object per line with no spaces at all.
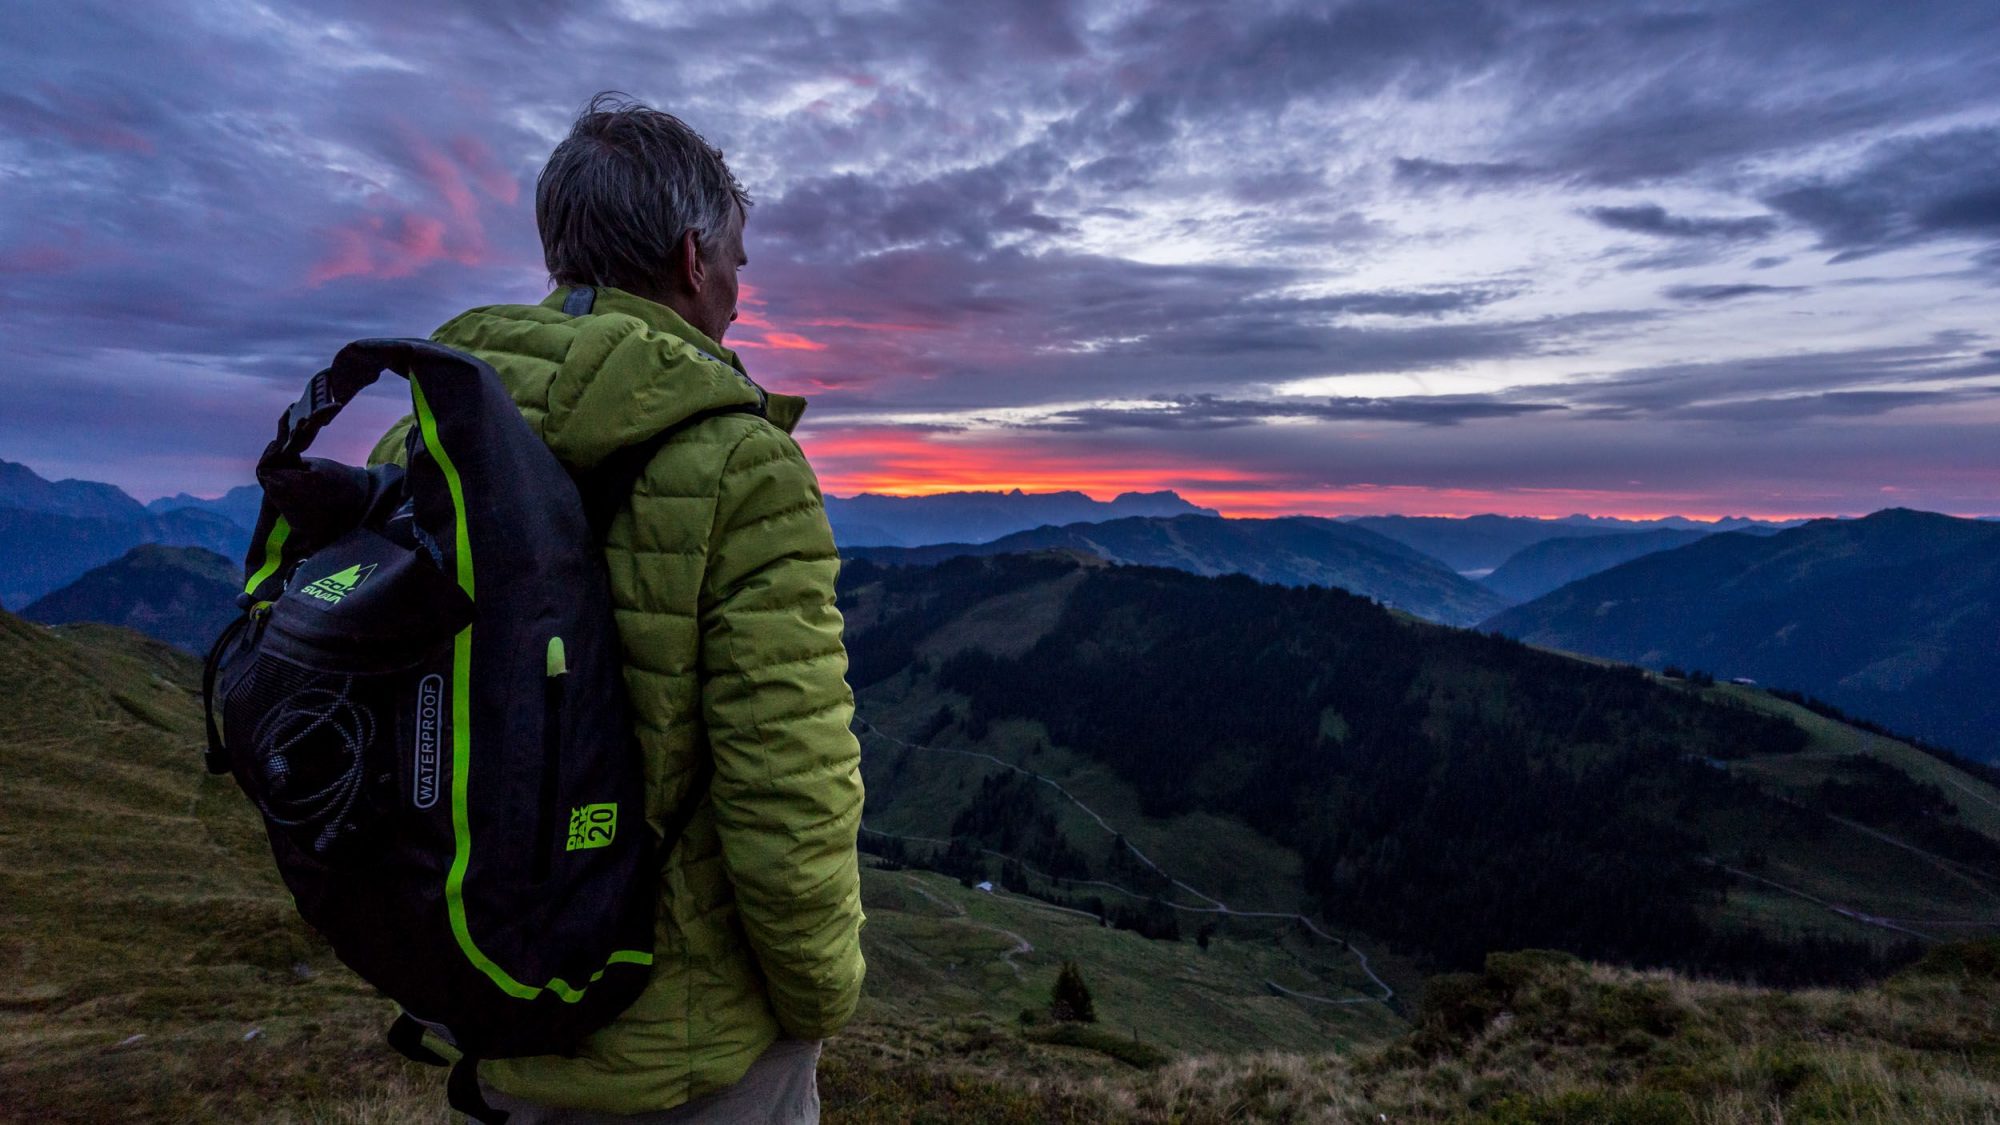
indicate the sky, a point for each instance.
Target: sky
{"x":1440,"y":257}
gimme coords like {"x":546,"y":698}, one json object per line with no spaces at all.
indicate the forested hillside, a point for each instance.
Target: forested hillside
{"x":181,"y":595}
{"x":1449,"y":792}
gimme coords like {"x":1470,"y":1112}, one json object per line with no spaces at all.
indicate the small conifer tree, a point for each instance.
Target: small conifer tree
{"x":1069,"y":1001}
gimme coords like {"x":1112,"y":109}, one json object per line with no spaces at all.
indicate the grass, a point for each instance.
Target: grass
{"x":1544,"y":1038}
{"x":935,"y":947}
{"x":152,"y":970}
{"x":1842,"y":864}
{"x":1133,"y":1052}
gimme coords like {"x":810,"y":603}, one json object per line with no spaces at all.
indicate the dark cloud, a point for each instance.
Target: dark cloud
{"x":1214,"y":60}
{"x":1833,"y":404}
{"x":1278,"y":186}
{"x":1013,"y":327}
{"x":1726,"y":292}
{"x":847,"y":216}
{"x":1806,"y":383}
{"x":1211,"y":412}
{"x":1558,"y":462}
{"x":1903,"y":191}
{"x":1402,"y":302}
{"x":1976,"y":210}
{"x":1653,"y":219}
{"x":1698,"y":94}
{"x":1418,"y":172}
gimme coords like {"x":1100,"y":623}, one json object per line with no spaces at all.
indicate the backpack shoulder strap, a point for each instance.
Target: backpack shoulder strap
{"x":579,"y":301}
{"x":605,"y":489}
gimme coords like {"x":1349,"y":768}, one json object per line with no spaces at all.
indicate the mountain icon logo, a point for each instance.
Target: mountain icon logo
{"x":338,"y":585}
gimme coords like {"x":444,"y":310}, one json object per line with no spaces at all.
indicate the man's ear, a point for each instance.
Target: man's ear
{"x":693,"y":270}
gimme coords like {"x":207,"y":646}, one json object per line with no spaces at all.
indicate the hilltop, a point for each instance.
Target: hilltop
{"x":181,"y":595}
{"x":1551,"y":564}
{"x":1893,"y":617}
{"x":1471,"y":544}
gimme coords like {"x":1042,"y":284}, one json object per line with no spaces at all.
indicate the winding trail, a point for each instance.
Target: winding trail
{"x":1216,"y":905}
{"x":1860,"y":916}
{"x":958,"y":911}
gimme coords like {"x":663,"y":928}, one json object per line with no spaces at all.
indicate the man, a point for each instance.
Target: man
{"x":722,"y":570}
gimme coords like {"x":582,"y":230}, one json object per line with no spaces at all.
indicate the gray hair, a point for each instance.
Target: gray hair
{"x":619,"y":192}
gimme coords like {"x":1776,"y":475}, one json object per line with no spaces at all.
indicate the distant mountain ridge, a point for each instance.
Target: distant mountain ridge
{"x":52,"y":532}
{"x":1894,"y":617}
{"x":23,"y":489}
{"x":871,"y":520}
{"x":1475,"y":543}
{"x":239,"y":505}
{"x":1286,"y":550}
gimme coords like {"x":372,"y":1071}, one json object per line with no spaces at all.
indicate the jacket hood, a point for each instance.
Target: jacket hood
{"x":611,"y":378}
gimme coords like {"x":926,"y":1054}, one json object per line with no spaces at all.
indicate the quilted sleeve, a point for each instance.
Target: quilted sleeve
{"x":389,"y":451}
{"x":787,"y":788}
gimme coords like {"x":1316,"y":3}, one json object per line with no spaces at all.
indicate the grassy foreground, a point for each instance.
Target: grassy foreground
{"x":151,"y":970}
{"x":1542,"y":1037}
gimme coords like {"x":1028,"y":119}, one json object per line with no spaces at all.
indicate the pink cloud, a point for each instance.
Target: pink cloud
{"x":375,"y":247}
{"x":782,"y":341}
{"x":45,"y":256}
{"x":401,"y":237}
{"x":476,"y":157}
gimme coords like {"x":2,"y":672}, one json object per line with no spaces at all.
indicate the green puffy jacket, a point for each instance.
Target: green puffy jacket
{"x":722,"y":571}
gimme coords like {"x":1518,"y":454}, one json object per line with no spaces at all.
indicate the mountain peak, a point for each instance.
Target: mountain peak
{"x":1903,"y":515}
{"x":239,"y":505}
{"x":24,"y":489}
{"x":180,"y":595}
{"x":871,"y":519}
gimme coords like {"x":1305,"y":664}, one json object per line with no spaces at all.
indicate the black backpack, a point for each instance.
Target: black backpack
{"x":424,"y":699}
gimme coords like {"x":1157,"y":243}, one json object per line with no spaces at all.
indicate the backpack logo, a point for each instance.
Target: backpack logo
{"x":592,"y":826}
{"x":430,"y":720}
{"x":334,"y":587}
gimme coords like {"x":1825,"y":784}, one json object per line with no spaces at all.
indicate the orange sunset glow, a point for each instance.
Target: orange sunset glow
{"x":895,"y":462}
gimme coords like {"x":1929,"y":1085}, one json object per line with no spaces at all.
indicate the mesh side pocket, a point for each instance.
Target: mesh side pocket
{"x":305,"y":743}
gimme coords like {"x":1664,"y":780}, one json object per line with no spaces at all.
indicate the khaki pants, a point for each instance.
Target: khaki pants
{"x":780,"y":1088}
